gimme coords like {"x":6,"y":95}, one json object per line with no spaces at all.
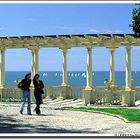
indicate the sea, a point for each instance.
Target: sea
{"x":75,"y":78}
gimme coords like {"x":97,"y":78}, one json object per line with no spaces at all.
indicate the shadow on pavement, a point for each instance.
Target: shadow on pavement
{"x":12,"y":125}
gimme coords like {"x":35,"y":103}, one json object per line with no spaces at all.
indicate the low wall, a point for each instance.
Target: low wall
{"x":99,"y":95}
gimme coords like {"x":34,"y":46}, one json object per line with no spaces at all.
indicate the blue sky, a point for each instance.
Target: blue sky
{"x":46,"y":19}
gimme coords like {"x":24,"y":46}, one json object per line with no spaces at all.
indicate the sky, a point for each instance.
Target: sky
{"x":59,"y":19}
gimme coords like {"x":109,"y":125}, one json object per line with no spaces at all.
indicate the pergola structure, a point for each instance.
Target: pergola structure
{"x":65,"y":42}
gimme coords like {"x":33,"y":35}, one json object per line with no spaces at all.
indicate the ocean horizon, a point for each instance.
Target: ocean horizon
{"x":75,"y":78}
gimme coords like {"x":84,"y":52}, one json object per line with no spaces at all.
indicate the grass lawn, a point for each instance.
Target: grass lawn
{"x":129,"y":114}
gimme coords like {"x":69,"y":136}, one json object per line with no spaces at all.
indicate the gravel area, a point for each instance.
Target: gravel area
{"x":58,"y":121}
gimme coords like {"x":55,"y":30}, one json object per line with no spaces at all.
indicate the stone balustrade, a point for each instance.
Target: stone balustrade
{"x":99,"y":96}
{"x":11,"y":92}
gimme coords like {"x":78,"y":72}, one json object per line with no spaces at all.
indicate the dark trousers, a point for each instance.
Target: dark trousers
{"x":38,"y":98}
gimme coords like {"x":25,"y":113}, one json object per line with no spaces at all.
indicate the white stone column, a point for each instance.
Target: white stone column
{"x":112,"y":70}
{"x":2,"y":67}
{"x":128,"y":97}
{"x":88,"y":92}
{"x":35,"y":61}
{"x":128,"y":68}
{"x":89,"y":69}
{"x":64,"y":78}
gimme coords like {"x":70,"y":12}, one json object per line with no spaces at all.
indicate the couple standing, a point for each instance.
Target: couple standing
{"x":38,"y":91}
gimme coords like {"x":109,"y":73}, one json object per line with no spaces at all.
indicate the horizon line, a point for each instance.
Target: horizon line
{"x":68,"y":71}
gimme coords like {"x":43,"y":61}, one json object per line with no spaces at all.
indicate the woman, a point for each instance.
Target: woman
{"x":25,"y":86}
{"x":38,"y":91}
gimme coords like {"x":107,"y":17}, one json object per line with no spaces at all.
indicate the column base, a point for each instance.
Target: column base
{"x":128,"y":89}
{"x":88,"y":88}
{"x":89,"y":95}
{"x":64,"y":84}
{"x":128,"y":98}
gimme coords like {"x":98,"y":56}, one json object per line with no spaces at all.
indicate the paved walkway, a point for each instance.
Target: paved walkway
{"x":58,"y":121}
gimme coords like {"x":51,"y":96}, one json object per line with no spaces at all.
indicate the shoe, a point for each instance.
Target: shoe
{"x":38,"y":112}
{"x":29,"y":114}
{"x":21,"y":112}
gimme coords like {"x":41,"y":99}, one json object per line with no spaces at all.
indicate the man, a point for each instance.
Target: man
{"x":25,"y":86}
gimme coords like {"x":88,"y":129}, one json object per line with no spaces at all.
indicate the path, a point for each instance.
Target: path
{"x":58,"y":121}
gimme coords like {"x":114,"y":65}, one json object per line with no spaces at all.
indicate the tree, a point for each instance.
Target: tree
{"x":136,"y":20}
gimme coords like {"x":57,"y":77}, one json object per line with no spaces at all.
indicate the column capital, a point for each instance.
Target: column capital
{"x":112,"y":49}
{"x":64,"y":50}
{"x":33,"y":49}
{"x":112,"y":44}
{"x":89,"y":48}
{"x":128,"y":47}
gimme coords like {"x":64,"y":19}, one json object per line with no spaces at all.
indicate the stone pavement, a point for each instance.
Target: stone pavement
{"x":61,"y":121}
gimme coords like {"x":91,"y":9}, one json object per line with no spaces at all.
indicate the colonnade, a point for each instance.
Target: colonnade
{"x":35,"y":66}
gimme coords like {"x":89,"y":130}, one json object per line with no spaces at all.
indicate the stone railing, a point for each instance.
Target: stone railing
{"x":104,"y":96}
{"x":10,"y":93}
{"x":53,"y":92}
{"x":14,"y":93}
{"x":101,"y":95}
{"x":76,"y":92}
{"x":137,"y":93}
